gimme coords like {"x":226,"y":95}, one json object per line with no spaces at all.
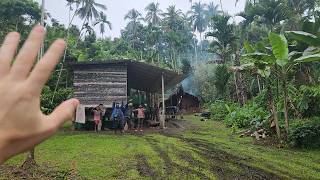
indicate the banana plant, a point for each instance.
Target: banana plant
{"x":310,"y":54}
{"x":262,"y":64}
{"x":280,"y":57}
{"x":308,"y":39}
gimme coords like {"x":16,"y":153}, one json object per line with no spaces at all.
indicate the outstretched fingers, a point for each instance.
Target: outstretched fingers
{"x":8,"y":51}
{"x":47,"y":64}
{"x":64,"y":112}
{"x":28,"y":53}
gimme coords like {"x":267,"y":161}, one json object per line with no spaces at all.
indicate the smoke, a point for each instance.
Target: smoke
{"x":200,"y":73}
{"x":190,"y":85}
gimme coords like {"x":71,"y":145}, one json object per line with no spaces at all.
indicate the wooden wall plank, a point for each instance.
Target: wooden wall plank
{"x":100,"y":85}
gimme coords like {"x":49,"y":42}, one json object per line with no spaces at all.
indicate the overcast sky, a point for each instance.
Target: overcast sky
{"x":117,"y":9}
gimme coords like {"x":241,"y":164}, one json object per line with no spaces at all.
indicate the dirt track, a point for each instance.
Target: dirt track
{"x":218,"y":160}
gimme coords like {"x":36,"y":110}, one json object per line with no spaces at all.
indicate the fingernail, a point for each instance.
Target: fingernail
{"x":39,"y":29}
{"x":61,"y":42}
{"x":14,"y":35}
{"x":75,"y":102}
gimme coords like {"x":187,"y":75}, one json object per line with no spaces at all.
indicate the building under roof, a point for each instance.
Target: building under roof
{"x":187,"y":103}
{"x":110,"y":81}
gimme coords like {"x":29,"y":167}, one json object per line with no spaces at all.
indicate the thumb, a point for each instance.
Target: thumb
{"x":64,"y":112}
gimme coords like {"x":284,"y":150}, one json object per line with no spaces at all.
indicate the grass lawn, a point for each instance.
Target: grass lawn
{"x":208,"y":150}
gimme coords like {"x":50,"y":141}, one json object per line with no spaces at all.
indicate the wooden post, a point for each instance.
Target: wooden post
{"x":42,"y":24}
{"x":139,"y":95}
{"x":30,"y":159}
{"x":163,"y":115}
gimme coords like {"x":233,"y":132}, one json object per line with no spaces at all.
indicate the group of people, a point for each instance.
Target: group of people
{"x":125,"y":117}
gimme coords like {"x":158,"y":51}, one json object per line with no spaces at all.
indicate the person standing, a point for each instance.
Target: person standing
{"x":129,"y":116}
{"x":96,"y":118}
{"x":155,"y":113}
{"x":118,"y":119}
{"x":141,"y":116}
{"x":102,"y":116}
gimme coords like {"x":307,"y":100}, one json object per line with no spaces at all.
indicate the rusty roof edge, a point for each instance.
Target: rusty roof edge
{"x":120,"y":61}
{"x":171,"y":77}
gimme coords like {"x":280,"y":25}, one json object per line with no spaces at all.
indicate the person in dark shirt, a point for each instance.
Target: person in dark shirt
{"x":129,"y":116}
{"x":118,"y":119}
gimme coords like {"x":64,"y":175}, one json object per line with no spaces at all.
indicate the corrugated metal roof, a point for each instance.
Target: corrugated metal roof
{"x":141,"y":76}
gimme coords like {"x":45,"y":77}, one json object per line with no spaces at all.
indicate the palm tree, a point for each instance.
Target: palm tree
{"x":270,"y":12}
{"x":212,"y":10}
{"x":153,"y":34}
{"x":173,"y":21}
{"x":103,"y":22}
{"x":198,"y":18}
{"x":172,"y":16}
{"x":70,"y":5}
{"x":134,"y":16}
{"x":153,"y":14}
{"x":89,"y":10}
{"x":153,"y":18}
{"x":224,"y":37}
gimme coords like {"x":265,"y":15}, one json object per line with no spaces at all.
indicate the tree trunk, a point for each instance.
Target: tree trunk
{"x":221,"y":5}
{"x":241,"y":88}
{"x":195,"y":51}
{"x":200,"y":42}
{"x":258,"y":81}
{"x":240,"y":82}
{"x":236,"y":86}
{"x":30,"y":161}
{"x":285,"y":101}
{"x":31,"y":155}
{"x":179,"y":60}
{"x":273,"y":109}
{"x":79,"y":38}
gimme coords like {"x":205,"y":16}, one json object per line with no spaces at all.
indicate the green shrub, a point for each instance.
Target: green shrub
{"x":305,"y":133}
{"x":261,"y":99}
{"x":62,"y":94}
{"x":306,"y":99}
{"x":220,"y":109}
{"x":248,"y":116}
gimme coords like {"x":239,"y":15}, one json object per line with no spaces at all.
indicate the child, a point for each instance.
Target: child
{"x":97,"y":118}
{"x":141,"y":117}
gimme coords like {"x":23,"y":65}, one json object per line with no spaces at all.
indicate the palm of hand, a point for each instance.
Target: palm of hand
{"x":22,"y":124}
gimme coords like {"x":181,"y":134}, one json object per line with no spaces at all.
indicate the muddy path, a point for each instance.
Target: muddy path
{"x":219,"y":162}
{"x":171,"y":168}
{"x":42,"y":172}
{"x":143,"y":166}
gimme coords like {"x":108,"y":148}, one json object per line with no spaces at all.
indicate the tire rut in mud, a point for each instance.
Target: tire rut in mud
{"x":223,"y":164}
{"x":220,"y":162}
{"x":143,"y":166}
{"x":171,"y":166}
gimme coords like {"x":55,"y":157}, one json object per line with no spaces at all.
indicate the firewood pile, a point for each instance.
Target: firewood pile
{"x":258,"y":134}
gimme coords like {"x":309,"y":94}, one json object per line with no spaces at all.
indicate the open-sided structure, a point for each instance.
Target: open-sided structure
{"x":106,"y":82}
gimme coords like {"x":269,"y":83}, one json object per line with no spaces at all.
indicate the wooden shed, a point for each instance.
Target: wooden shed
{"x":105,"y":82}
{"x":187,"y":103}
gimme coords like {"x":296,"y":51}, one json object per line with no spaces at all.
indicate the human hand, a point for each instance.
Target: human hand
{"x":22,"y":124}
